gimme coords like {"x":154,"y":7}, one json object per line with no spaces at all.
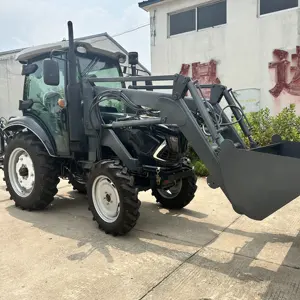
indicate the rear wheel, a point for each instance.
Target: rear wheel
{"x":112,"y":199}
{"x":30,"y":173}
{"x":179,"y":195}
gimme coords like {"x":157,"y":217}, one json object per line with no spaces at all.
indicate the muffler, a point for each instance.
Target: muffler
{"x":260,"y":181}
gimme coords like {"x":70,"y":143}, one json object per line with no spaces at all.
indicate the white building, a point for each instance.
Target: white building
{"x":247,"y":45}
{"x":11,"y":80}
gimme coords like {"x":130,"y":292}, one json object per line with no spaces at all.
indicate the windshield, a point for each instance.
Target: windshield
{"x":98,"y":67}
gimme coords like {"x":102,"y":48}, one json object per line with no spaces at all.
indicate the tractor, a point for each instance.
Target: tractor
{"x":113,"y":136}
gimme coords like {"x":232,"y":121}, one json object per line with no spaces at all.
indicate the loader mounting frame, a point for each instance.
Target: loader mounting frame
{"x":252,"y":178}
{"x":177,"y":109}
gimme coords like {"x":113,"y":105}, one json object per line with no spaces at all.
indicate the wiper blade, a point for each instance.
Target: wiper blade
{"x":89,"y":67}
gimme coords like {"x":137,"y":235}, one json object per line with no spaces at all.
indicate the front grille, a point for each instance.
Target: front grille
{"x":167,"y":155}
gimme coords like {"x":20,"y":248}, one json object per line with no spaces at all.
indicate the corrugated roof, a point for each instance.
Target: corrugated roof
{"x":82,"y":38}
{"x":104,"y":34}
{"x":10,"y":51}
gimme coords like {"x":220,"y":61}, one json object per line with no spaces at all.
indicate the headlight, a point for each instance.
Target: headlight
{"x":173,"y":143}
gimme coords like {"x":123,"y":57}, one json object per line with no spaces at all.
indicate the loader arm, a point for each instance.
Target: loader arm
{"x":174,"y":109}
{"x":257,"y":181}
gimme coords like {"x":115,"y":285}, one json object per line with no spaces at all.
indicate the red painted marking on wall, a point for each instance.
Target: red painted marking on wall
{"x":294,"y":86}
{"x":204,"y":73}
{"x":185,"y":68}
{"x":281,"y":66}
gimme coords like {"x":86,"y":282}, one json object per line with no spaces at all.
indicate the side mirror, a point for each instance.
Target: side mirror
{"x":51,"y":72}
{"x":29,"y":69}
{"x":133,"y":58}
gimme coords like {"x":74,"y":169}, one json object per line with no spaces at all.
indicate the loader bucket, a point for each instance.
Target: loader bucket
{"x":260,"y":181}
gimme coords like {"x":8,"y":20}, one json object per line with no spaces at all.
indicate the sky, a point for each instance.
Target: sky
{"x":25,"y":23}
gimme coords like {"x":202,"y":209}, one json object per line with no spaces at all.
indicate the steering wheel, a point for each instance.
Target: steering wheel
{"x":50,"y":93}
{"x":52,"y":101}
{"x":41,"y":104}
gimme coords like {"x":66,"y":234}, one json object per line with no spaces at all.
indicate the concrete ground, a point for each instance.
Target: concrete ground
{"x":204,"y":252}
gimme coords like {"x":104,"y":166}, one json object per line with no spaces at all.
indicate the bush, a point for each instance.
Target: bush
{"x":264,"y":126}
{"x":199,"y":167}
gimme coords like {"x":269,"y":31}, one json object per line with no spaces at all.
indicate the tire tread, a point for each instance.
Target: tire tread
{"x":48,"y":174}
{"x":183,"y":199}
{"x":128,"y":195}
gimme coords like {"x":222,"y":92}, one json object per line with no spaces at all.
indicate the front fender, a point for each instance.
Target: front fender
{"x":26,"y":122}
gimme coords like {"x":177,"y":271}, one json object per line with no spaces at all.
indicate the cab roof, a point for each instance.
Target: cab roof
{"x":29,"y":53}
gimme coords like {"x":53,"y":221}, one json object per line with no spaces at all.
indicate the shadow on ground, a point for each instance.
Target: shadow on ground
{"x":60,"y":219}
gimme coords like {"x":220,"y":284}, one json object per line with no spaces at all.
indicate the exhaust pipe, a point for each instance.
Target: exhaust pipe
{"x":74,"y":102}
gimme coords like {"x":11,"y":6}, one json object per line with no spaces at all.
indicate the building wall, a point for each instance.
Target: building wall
{"x":11,"y":86}
{"x":242,"y":49}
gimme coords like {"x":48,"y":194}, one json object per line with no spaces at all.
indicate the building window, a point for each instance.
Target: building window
{"x":200,"y":17}
{"x":267,"y":6}
{"x":183,"y":22}
{"x":211,"y":15}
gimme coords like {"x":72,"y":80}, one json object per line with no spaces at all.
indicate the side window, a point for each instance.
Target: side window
{"x":45,"y":103}
{"x":37,"y":90}
{"x":267,"y":6}
{"x":99,"y":67}
{"x":182,"y":22}
{"x":108,"y":72}
{"x":211,"y":15}
{"x":207,"y":15}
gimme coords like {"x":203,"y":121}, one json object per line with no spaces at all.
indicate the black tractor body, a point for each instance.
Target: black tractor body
{"x":113,"y":136}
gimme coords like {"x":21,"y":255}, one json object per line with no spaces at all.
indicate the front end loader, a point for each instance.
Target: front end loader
{"x":113,"y":136}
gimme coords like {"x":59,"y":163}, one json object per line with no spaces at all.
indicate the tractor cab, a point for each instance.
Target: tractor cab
{"x":46,"y":81}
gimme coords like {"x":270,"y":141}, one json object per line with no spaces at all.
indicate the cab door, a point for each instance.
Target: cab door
{"x":49,"y":103}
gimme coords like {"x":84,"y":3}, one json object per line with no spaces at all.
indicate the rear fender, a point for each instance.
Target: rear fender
{"x":25,"y":122}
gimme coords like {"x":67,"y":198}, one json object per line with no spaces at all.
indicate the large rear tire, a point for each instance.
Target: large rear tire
{"x":31,"y":175}
{"x":179,"y":196}
{"x":112,"y":199}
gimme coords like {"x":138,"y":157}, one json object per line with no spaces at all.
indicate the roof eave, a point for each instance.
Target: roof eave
{"x":145,"y":5}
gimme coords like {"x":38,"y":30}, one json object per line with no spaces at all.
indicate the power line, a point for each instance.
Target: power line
{"x":99,"y":40}
{"x":103,"y":38}
{"x":122,"y":33}
{"x":131,"y":30}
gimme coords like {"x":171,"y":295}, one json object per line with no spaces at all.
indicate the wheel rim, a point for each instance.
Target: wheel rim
{"x":172,"y":192}
{"x":21,"y":172}
{"x":106,"y":199}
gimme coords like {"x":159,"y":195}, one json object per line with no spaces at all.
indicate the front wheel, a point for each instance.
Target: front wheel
{"x":30,"y":173}
{"x":112,"y":200}
{"x":179,"y":195}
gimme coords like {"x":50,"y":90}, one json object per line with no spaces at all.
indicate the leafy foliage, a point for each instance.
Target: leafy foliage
{"x":263,"y":127}
{"x":199,"y":167}
{"x":119,"y":105}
